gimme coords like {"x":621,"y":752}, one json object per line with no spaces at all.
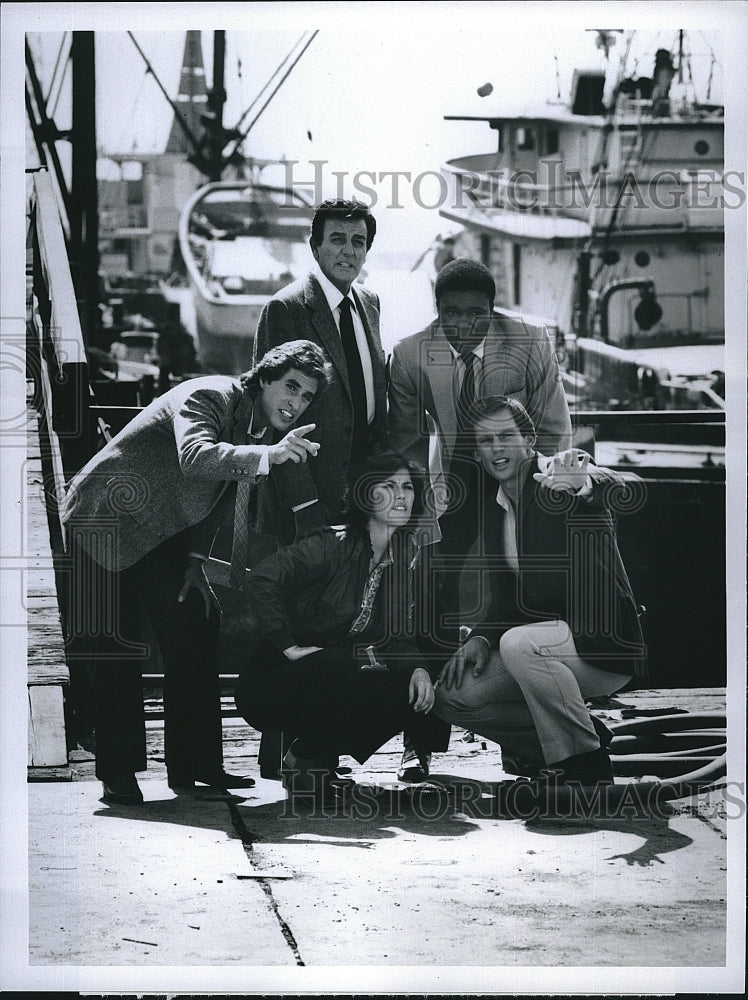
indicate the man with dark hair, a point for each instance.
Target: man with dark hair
{"x":331,"y":309}
{"x":140,"y":519}
{"x":470,"y":350}
{"x":561,"y":625}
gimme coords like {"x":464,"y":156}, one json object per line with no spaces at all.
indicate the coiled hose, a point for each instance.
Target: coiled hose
{"x":689,"y":749}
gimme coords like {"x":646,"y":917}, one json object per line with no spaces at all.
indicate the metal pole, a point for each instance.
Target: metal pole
{"x":216,"y":101}
{"x":84,"y":221}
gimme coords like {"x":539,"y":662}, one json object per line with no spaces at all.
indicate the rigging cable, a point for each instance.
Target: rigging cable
{"x":714,"y":62}
{"x":243,"y":136}
{"x":179,"y":117}
{"x":52,"y":106}
{"x":133,"y":114}
{"x":268,"y":82}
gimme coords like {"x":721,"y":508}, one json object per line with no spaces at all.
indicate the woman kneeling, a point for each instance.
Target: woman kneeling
{"x":338,"y":664}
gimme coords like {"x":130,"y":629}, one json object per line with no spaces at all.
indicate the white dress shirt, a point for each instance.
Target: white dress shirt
{"x":510,"y":520}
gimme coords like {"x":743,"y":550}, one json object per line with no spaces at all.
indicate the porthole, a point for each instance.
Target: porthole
{"x":701,"y":147}
{"x":642,"y":258}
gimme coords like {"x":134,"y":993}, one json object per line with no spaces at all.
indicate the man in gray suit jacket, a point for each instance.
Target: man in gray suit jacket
{"x":513,"y":358}
{"x":141,"y":517}
{"x":471,"y":350}
{"x":329,"y":308}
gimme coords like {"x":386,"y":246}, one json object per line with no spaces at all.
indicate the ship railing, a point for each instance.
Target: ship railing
{"x":694,"y":441}
{"x":662,"y":198}
{"x":606,"y":419}
{"x":65,"y":428}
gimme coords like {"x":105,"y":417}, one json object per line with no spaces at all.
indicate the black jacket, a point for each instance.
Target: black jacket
{"x":570,"y":569}
{"x":310,"y":593}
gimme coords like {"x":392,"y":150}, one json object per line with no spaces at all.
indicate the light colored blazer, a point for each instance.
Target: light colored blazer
{"x":518,"y":360}
{"x":164,"y":472}
{"x":301,"y":312}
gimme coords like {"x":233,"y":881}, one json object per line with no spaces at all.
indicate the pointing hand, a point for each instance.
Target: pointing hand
{"x":294,"y":446}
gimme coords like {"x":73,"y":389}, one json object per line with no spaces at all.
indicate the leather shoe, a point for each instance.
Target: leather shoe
{"x":591,"y":768}
{"x":122,"y":791}
{"x":512,"y":763}
{"x":414,"y":765}
{"x":222,"y":779}
{"x":216,"y":779}
{"x":312,"y":776}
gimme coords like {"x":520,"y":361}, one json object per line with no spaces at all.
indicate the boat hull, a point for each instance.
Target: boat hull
{"x":226,"y":333}
{"x":241,"y":242}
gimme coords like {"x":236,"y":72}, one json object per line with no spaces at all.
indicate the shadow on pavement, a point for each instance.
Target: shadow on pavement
{"x":446,"y":806}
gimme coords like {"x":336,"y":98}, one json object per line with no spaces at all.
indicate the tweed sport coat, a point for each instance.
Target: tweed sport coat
{"x":165,"y":472}
{"x":301,"y":311}
{"x":519,"y":361}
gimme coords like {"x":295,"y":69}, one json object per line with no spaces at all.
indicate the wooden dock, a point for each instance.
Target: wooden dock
{"x":241,"y":743}
{"x":48,"y":675}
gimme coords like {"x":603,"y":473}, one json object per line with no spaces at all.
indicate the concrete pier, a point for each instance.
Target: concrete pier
{"x":399,"y":880}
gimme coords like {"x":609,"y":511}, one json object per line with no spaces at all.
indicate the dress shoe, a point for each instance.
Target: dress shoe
{"x":216,"y":779}
{"x":591,"y":768}
{"x":554,"y":787}
{"x":312,"y":776}
{"x":513,"y":763}
{"x":122,"y":791}
{"x":222,"y":779}
{"x":414,"y":765}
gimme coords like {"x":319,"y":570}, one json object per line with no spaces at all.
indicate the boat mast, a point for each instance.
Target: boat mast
{"x":84,"y":207}
{"x":212,"y":119}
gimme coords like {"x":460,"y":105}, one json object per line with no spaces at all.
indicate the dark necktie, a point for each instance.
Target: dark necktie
{"x":465,"y":401}
{"x":240,"y":542}
{"x":355,"y":380}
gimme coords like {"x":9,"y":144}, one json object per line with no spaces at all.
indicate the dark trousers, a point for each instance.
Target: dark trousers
{"x":462,"y":593}
{"x":108,"y":638}
{"x":330,"y":704}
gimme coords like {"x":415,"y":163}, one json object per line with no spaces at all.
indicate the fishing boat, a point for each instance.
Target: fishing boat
{"x":605,"y":216}
{"x":241,"y":241}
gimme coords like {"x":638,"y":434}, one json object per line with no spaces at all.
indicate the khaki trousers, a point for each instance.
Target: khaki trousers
{"x":531,"y":696}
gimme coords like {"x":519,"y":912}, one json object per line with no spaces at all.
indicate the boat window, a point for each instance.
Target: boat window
{"x":551,"y":141}
{"x":525,"y":138}
{"x":134,"y":192}
{"x":701,"y":147}
{"x":132,"y":170}
{"x":642,"y":258}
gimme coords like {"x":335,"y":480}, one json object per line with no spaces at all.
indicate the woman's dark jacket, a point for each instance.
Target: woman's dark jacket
{"x":310,"y":593}
{"x":570,"y":569}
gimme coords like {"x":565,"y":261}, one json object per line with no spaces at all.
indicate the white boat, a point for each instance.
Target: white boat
{"x":241,"y":241}
{"x":605,"y":216}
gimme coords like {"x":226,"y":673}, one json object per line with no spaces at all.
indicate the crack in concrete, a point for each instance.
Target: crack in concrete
{"x":249,"y":838}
